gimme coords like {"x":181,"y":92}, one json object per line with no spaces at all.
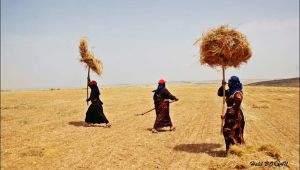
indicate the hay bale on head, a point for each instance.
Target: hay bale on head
{"x":89,"y":57}
{"x":224,"y":46}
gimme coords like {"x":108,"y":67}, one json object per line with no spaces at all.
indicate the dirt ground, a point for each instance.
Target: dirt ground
{"x":44,"y":129}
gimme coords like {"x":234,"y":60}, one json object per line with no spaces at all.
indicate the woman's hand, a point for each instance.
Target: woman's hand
{"x":223,"y":83}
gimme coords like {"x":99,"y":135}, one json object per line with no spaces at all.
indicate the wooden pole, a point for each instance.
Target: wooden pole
{"x":87,"y":86}
{"x":224,"y":99}
{"x":153,"y":109}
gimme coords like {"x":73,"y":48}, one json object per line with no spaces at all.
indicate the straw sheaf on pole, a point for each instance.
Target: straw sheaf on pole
{"x":224,"y":46}
{"x":89,"y":57}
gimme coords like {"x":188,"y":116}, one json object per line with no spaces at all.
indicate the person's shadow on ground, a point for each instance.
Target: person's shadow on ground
{"x":76,"y":123}
{"x":208,"y":148}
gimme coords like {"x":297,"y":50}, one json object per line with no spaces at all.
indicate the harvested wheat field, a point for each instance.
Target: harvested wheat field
{"x":44,"y":130}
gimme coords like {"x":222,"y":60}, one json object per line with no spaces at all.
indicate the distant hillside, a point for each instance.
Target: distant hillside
{"x":291,"y":82}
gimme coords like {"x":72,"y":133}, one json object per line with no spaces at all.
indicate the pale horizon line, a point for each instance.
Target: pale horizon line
{"x":212,"y":81}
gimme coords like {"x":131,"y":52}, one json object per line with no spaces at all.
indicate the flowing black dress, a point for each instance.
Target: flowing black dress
{"x":95,"y":113}
{"x":233,"y":129}
{"x":162,"y":108}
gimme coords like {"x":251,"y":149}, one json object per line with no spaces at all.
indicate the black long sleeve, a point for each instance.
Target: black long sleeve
{"x":94,"y":93}
{"x":220,"y":92}
{"x":167,"y":95}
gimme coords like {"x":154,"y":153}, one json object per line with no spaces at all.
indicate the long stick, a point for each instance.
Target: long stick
{"x":223,"y":107}
{"x":87,"y":86}
{"x":151,"y":109}
{"x":146,"y":112}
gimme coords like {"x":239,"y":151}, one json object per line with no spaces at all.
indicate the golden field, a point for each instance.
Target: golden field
{"x":44,"y":129}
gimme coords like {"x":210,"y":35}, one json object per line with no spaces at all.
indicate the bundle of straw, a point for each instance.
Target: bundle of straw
{"x":224,"y":46}
{"x":89,"y":57}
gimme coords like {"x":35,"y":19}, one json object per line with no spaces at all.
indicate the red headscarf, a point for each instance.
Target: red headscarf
{"x":93,"y":83}
{"x":161,"y":81}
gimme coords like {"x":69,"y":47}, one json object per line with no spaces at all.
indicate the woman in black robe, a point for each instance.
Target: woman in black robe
{"x":94,"y":114}
{"x":233,"y":129}
{"x":161,"y":101}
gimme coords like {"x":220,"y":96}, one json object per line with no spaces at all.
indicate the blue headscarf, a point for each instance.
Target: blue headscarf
{"x":234,"y":85}
{"x":160,"y":87}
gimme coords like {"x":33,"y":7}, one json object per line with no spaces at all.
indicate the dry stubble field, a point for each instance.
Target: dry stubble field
{"x":44,"y":129}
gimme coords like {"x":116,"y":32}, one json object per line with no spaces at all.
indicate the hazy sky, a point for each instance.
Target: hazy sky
{"x":140,"y":41}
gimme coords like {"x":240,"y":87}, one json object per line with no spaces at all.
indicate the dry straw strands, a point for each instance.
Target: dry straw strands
{"x":224,"y":46}
{"x":89,"y":57}
{"x":243,"y":156}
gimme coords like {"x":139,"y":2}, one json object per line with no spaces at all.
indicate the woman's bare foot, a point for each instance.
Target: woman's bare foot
{"x":154,"y":130}
{"x":172,"y":128}
{"x":87,"y":125}
{"x":108,"y":125}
